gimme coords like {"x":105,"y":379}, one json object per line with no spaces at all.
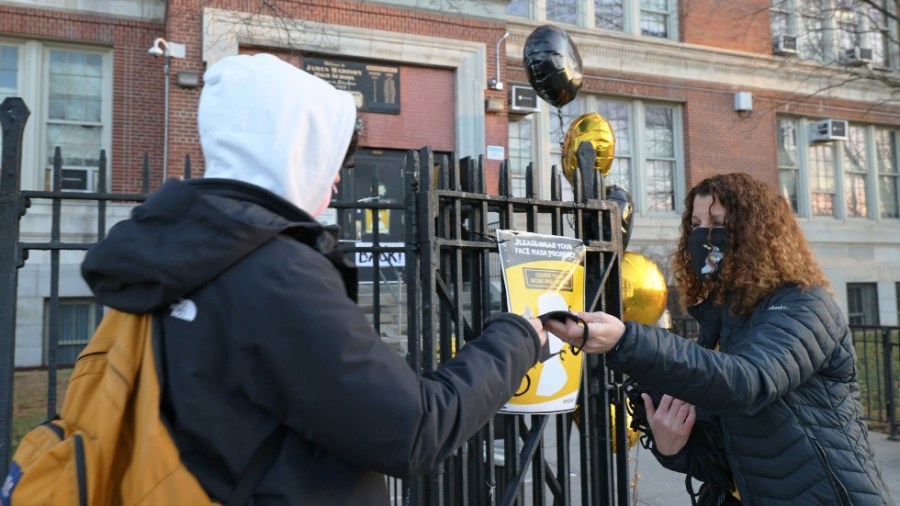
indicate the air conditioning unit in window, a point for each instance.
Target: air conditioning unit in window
{"x":77,"y":179}
{"x":857,"y":56}
{"x":523,"y":100}
{"x":784,"y":45}
{"x":828,"y":130}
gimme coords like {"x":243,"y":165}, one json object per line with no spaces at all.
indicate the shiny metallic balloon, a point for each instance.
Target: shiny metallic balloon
{"x":553,"y":65}
{"x":593,"y":128}
{"x":631,"y":435}
{"x":644,"y":289}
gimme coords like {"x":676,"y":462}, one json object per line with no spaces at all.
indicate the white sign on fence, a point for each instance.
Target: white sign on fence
{"x":385,"y":258}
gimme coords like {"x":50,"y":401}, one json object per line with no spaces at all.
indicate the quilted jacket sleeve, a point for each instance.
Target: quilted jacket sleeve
{"x":788,"y":339}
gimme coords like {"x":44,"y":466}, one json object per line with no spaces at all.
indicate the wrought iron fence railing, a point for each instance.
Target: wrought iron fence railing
{"x":443,"y":282}
{"x":449,"y":276}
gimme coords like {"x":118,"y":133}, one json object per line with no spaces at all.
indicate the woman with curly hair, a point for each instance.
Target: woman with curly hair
{"x":774,"y":369}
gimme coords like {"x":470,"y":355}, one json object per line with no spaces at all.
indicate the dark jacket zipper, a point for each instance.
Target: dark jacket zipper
{"x":839,"y":490}
{"x":80,"y":471}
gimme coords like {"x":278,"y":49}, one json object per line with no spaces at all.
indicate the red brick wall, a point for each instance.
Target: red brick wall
{"x":427,"y":94}
{"x":427,"y":109}
{"x":727,"y":24}
{"x":138,"y":80}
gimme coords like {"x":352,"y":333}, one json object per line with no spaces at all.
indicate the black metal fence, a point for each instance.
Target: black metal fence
{"x":449,"y":282}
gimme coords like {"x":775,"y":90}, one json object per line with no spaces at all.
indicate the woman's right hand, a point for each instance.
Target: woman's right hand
{"x":670,"y":422}
{"x":604,"y":331}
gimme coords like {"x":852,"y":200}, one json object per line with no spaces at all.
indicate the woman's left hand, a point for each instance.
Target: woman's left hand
{"x":670,"y":422}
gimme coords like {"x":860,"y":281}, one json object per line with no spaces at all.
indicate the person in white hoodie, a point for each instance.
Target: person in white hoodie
{"x":260,"y":332}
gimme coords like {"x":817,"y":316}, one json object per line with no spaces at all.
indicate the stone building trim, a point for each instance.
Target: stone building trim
{"x":224,"y":31}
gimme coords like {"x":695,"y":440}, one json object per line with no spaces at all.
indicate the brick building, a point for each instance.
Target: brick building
{"x":691,"y":88}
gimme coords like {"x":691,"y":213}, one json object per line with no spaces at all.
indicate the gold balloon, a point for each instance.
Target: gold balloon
{"x":594,"y":128}
{"x":631,"y":435}
{"x":644,"y":289}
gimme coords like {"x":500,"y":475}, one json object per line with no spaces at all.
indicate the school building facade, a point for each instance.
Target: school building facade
{"x":795,"y":94}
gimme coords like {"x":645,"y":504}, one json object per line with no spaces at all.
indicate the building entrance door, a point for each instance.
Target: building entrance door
{"x":377,"y":178}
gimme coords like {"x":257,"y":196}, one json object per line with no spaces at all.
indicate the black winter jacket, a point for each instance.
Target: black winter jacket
{"x":263,"y":331}
{"x":785,"y":389}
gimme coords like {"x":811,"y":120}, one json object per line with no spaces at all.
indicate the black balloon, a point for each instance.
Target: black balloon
{"x":553,"y":65}
{"x":622,"y":197}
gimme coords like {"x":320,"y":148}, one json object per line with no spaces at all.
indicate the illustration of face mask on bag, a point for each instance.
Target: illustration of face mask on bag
{"x":707,"y":249}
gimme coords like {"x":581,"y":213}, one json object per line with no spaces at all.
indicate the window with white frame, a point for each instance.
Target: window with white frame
{"x":840,"y":31}
{"x":788,"y":166}
{"x":69,"y":93}
{"x":521,"y":152}
{"x":650,"y":18}
{"x":888,"y":174}
{"x":9,"y":75}
{"x":648,"y":152}
{"x":854,"y":164}
{"x":74,"y":112}
{"x":842,"y":179}
{"x":862,"y":303}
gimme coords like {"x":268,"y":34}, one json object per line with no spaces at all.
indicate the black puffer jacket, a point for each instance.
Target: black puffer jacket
{"x":264,"y":333}
{"x":785,"y":389}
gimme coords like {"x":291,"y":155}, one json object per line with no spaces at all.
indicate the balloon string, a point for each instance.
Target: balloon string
{"x":562,"y":160}
{"x":561,"y":130}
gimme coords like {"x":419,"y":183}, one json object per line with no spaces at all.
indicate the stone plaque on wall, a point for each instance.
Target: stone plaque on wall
{"x":375,"y":86}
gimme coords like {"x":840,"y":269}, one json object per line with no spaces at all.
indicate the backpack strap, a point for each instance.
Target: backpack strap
{"x":259,"y":465}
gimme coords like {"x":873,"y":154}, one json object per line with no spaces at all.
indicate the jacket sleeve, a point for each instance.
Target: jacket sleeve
{"x":784,"y":346}
{"x":324,"y":371}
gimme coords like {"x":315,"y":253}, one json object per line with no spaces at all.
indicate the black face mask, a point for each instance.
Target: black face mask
{"x":707,"y":248}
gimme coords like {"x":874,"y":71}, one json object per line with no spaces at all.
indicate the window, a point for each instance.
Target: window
{"x":888,"y":175}
{"x":609,"y":14}
{"x":862,"y":303}
{"x":562,"y":11}
{"x":74,"y":112}
{"x":660,"y":161}
{"x":518,"y":8}
{"x":9,"y":75}
{"x":521,"y":152}
{"x":854,"y":165}
{"x":831,"y":31}
{"x":77,"y":320}
{"x":617,"y":115}
{"x":843,"y":179}
{"x":69,"y":92}
{"x":821,"y":175}
{"x":648,"y":161}
{"x":787,"y":161}
{"x":897,"y":289}
{"x":655,"y":16}
{"x":650,"y":18}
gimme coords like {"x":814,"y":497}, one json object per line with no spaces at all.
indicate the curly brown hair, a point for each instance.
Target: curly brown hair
{"x":765,"y":248}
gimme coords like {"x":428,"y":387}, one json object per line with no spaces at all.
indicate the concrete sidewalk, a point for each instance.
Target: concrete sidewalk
{"x":657,"y":486}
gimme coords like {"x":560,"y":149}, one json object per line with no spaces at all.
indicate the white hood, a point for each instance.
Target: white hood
{"x":266,"y":122}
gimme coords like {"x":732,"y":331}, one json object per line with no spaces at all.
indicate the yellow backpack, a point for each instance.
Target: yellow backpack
{"x":110,"y":446}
